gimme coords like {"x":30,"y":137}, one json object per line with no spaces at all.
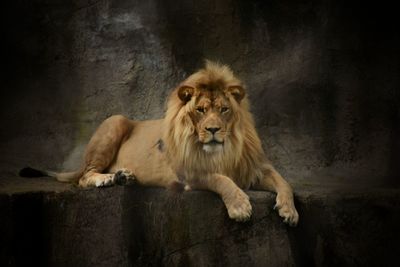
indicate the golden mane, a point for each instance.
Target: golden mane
{"x":242,"y":157}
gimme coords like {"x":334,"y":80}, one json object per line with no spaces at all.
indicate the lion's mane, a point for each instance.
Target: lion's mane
{"x":242,"y":155}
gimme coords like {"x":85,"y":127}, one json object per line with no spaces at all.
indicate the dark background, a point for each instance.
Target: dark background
{"x":322,"y":76}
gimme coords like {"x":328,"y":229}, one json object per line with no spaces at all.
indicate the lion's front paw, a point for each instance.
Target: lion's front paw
{"x":287,"y":210}
{"x":238,"y":205}
{"x":123,"y":176}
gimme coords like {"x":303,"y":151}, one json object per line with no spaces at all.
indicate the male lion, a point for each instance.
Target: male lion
{"x":207,"y":140}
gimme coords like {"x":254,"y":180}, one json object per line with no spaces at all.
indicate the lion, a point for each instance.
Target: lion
{"x":206,"y":141}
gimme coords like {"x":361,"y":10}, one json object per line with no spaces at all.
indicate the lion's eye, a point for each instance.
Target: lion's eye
{"x":224,"y":109}
{"x":200,"y":110}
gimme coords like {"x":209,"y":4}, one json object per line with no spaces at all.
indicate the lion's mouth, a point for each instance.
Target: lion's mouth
{"x":214,"y":142}
{"x":213,"y":146}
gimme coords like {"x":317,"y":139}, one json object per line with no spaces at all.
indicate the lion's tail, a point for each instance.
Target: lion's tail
{"x":65,"y":177}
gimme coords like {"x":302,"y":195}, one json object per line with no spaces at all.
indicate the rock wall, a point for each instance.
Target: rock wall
{"x":133,"y":226}
{"x":322,"y":76}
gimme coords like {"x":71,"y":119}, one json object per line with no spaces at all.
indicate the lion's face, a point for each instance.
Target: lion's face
{"x":212,"y":118}
{"x":212,"y":113}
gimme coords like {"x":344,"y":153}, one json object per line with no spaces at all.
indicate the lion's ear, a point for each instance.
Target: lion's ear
{"x":185,"y":93}
{"x":237,"y":92}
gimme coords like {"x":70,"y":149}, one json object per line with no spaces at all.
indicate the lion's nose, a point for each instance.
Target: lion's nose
{"x":213,"y":130}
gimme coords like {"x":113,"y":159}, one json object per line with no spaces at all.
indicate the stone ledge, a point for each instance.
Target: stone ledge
{"x":124,"y":226}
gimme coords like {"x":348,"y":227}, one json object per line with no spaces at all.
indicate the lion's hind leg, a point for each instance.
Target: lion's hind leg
{"x":95,"y":179}
{"x":102,"y":151}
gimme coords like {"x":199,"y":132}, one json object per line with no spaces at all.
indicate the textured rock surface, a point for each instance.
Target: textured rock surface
{"x":322,"y":76}
{"x":131,"y":226}
{"x":323,"y":80}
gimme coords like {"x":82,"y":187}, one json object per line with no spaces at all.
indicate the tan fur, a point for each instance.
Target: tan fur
{"x":207,"y":140}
